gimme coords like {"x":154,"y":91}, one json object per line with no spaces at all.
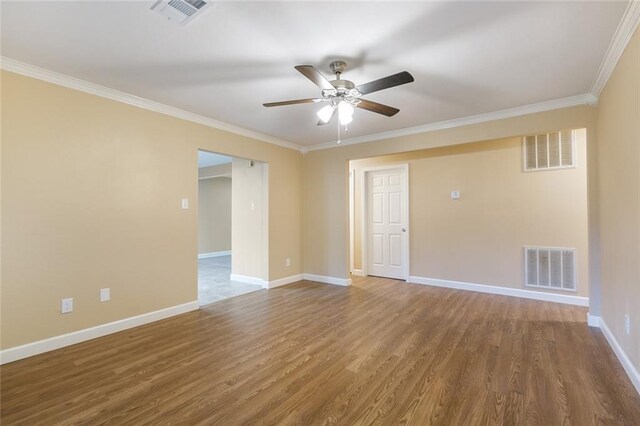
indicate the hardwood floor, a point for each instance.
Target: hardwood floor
{"x":379,"y":352}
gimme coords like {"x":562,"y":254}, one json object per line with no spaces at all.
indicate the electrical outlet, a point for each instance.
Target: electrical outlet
{"x":627,"y":324}
{"x":455,"y":195}
{"x":287,"y":261}
{"x":66,"y":306}
{"x":105,"y":294}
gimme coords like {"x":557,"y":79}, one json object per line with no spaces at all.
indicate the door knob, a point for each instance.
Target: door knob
{"x":404,"y":229}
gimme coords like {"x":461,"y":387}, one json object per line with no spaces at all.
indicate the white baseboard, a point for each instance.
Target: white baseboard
{"x":328,"y":280}
{"x":358,"y":272}
{"x":249,"y":280}
{"x":214,"y":254}
{"x":504,"y":291}
{"x":628,"y":366}
{"x":57,"y":342}
{"x":593,"y":321}
{"x":266,"y":284}
{"x":285,"y":281}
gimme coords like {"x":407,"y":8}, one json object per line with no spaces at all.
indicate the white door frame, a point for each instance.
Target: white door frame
{"x":352,"y":218}
{"x":364,"y":217}
{"x":263,"y":279}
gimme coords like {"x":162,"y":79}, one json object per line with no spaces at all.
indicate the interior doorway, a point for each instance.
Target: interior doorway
{"x":379,"y":221}
{"x":227,"y":206}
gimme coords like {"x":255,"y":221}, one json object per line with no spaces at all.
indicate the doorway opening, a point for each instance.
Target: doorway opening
{"x":231,"y":226}
{"x":379,"y":220}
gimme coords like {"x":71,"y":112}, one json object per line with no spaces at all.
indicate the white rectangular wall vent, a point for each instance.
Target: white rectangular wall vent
{"x":549,"y":151}
{"x":180,"y":11}
{"x":552,"y":268}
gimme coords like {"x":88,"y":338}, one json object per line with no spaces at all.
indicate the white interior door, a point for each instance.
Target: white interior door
{"x":387,"y":223}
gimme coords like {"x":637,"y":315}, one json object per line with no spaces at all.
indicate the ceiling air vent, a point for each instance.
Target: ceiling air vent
{"x":180,"y":11}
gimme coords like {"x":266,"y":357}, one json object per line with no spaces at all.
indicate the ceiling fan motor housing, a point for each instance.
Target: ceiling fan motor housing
{"x":337,"y":67}
{"x":344,"y":89}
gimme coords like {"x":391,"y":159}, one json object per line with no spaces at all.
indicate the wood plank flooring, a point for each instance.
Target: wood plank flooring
{"x":379,"y":352}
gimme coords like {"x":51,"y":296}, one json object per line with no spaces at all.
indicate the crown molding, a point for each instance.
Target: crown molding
{"x":585,"y":99}
{"x":28,"y":70}
{"x":621,"y":38}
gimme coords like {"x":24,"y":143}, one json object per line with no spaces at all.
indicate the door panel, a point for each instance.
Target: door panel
{"x":377,"y":207}
{"x":395,"y":211}
{"x":395,"y":250}
{"x":387,"y":214}
{"x":378,"y":249}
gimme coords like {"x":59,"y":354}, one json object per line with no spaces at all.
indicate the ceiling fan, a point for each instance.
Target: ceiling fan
{"x":343,"y":95}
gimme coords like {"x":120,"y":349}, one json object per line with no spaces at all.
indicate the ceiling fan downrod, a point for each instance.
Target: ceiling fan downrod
{"x":337,"y":67}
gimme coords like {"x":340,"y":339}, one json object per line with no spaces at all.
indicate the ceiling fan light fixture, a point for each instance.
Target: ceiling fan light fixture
{"x":343,"y":95}
{"x":326,"y":113}
{"x":345,"y":113}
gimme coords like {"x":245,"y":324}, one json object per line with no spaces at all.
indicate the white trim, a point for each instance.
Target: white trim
{"x":264,"y":283}
{"x":504,"y":291}
{"x":352,"y":218}
{"x":22,"y":68}
{"x":249,"y":280}
{"x":593,"y":321}
{"x":224,"y":175}
{"x":364,"y":209}
{"x":619,"y":42}
{"x":585,"y":99}
{"x":328,"y":280}
{"x":265,"y":220}
{"x":358,"y":273}
{"x":52,"y":343}
{"x":363,"y":223}
{"x":284,"y":281}
{"x":214,"y":254}
{"x":628,"y":366}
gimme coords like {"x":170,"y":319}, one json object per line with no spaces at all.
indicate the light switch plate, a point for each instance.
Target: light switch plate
{"x":185,"y":203}
{"x":66,"y":305}
{"x":627,"y":324}
{"x":105,"y":294}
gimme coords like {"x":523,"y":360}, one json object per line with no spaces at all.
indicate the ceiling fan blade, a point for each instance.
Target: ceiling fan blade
{"x":293,"y":102}
{"x":379,"y":108}
{"x":322,"y":123}
{"x":315,"y":76}
{"x":385,"y":83}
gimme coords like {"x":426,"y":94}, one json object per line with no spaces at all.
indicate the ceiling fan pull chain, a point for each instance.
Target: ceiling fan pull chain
{"x":339,"y":140}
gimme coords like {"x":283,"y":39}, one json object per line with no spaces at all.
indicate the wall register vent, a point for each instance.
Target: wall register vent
{"x":549,"y":151}
{"x":550,"y":268}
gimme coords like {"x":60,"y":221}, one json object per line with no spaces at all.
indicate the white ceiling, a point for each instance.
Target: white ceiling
{"x":206,"y":159}
{"x":467,"y":57}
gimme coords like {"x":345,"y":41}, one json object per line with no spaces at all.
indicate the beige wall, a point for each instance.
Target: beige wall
{"x":619,"y":165}
{"x":91,"y":192}
{"x":214,"y":214}
{"x":480,"y":237}
{"x":326,"y":212}
{"x":249,"y":236}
